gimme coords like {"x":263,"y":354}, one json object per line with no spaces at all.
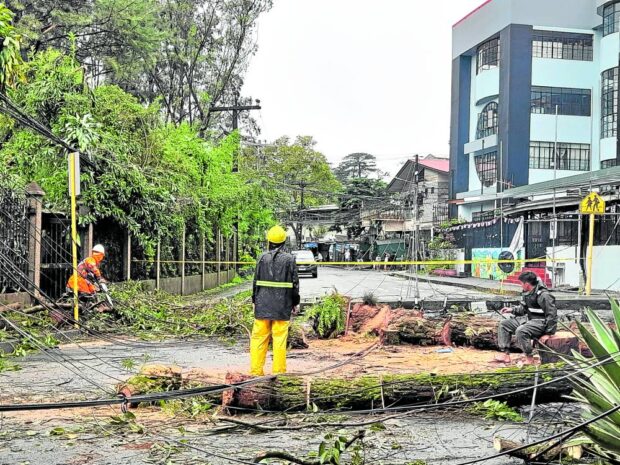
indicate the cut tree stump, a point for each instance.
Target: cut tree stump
{"x":562,"y":342}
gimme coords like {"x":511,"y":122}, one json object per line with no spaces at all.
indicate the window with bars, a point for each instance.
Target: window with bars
{"x":488,"y":121}
{"x":562,"y":46}
{"x":486,"y":168}
{"x":487,"y":56}
{"x":571,"y":102}
{"x":609,"y":163}
{"x":568,"y":156}
{"x":611,"y":19}
{"x":609,"y":103}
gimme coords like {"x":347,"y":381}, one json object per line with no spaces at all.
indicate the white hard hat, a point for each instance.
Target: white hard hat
{"x":99,"y":248}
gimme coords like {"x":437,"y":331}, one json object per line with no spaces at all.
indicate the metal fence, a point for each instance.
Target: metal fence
{"x":14,"y":242}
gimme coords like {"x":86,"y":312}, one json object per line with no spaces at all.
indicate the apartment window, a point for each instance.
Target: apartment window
{"x":609,"y":103}
{"x":574,"y":102}
{"x":488,"y":122}
{"x":486,"y":167}
{"x":562,"y":46}
{"x":608,"y":163}
{"x":488,"y":55}
{"x":611,"y":19}
{"x":571,"y":157}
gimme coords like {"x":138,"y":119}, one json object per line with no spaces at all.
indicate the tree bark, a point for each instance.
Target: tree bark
{"x":295,"y":393}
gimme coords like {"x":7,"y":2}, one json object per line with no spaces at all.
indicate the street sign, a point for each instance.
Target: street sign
{"x":592,"y":204}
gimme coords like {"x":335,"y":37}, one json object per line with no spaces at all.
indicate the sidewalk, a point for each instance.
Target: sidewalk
{"x":477,"y":284}
{"x":565,"y":300}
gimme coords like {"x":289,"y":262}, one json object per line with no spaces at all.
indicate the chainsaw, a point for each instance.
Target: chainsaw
{"x":106,"y":292}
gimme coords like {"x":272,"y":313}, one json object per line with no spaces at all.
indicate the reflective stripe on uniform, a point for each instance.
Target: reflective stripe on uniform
{"x":274,"y":284}
{"x":536,"y":310}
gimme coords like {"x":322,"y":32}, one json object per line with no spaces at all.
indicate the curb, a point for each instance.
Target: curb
{"x":473,"y":287}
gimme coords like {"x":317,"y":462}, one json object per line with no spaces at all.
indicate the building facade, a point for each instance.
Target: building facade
{"x":393,"y":225}
{"x":534,"y":97}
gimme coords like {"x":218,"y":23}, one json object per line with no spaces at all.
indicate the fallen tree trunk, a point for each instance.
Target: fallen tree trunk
{"x":465,"y":330}
{"x":292,"y":393}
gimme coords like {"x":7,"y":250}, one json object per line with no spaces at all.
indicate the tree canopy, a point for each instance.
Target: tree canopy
{"x":359,"y":193}
{"x":183,"y":54}
{"x":151,"y":176}
{"x":356,"y":165}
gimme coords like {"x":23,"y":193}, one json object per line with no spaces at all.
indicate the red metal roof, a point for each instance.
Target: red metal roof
{"x":471,"y":13}
{"x":437,"y":164}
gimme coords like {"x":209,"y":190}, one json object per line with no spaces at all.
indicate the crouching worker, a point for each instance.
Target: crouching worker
{"x":88,"y":275}
{"x":542,"y":319}
{"x":275,"y":294}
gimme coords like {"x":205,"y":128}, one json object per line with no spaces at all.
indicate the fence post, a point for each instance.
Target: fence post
{"x":235,"y":252}
{"x":89,"y":239}
{"x":228,"y":259}
{"x":35,"y":194}
{"x":202,"y":259}
{"x":127,"y":257}
{"x":182,"y":261}
{"x":218,"y":246}
{"x":158,"y":264}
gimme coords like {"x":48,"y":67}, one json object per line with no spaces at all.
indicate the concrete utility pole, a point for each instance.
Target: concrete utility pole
{"x":416,"y":229}
{"x":235,"y":125}
{"x":235,"y":117}
{"x":302,"y":186}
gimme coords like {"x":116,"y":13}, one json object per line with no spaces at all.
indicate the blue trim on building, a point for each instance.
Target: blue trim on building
{"x":459,"y":124}
{"x":515,"y":83}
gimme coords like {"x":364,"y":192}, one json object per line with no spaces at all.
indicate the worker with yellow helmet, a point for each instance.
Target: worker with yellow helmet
{"x":275,"y":295}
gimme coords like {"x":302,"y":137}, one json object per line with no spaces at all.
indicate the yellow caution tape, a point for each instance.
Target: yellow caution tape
{"x":400,"y":263}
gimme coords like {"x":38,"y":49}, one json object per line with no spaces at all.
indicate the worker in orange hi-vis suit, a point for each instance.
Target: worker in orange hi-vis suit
{"x":88,"y":273}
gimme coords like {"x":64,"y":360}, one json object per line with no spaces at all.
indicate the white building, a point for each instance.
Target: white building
{"x":516,"y":63}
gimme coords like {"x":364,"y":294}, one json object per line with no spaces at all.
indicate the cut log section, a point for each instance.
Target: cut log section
{"x":542,"y":452}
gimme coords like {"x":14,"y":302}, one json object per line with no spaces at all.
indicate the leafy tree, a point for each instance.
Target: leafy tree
{"x":185,"y":54}
{"x":152,"y":178}
{"x":297,"y":174}
{"x":359,"y":193}
{"x":10,"y":58}
{"x":356,"y":165}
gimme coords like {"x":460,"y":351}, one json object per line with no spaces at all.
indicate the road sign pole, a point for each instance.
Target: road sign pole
{"x":590,"y":254}
{"x":73,"y":190}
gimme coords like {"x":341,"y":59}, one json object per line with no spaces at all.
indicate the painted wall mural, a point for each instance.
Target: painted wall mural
{"x":484,"y":267}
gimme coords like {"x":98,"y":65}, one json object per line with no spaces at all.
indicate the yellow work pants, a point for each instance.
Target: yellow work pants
{"x":262,"y":332}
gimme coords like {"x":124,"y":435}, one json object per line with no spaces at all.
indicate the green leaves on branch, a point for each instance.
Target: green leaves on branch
{"x":329,"y":316}
{"x":10,"y":56}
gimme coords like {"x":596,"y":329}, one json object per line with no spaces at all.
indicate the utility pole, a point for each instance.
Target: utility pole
{"x":302,"y":186}
{"x":416,"y":229}
{"x":235,"y":119}
{"x":235,"y":125}
{"x":554,"y":221}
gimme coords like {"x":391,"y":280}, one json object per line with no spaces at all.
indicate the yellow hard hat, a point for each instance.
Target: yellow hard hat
{"x":276,"y":235}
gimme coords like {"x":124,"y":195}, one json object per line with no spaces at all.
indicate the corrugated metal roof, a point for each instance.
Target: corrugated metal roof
{"x":437,"y":164}
{"x":584,"y":180}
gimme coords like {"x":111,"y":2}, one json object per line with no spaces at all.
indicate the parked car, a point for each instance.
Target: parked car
{"x":306,"y":263}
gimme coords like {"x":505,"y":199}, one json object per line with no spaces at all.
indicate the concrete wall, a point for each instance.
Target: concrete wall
{"x":605,"y":263}
{"x":193,"y":284}
{"x":15,"y":297}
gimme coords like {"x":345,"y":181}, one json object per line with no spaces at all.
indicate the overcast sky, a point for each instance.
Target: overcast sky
{"x":357,"y":75}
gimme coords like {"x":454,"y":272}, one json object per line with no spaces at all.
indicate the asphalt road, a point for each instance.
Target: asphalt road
{"x":358,"y":282}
